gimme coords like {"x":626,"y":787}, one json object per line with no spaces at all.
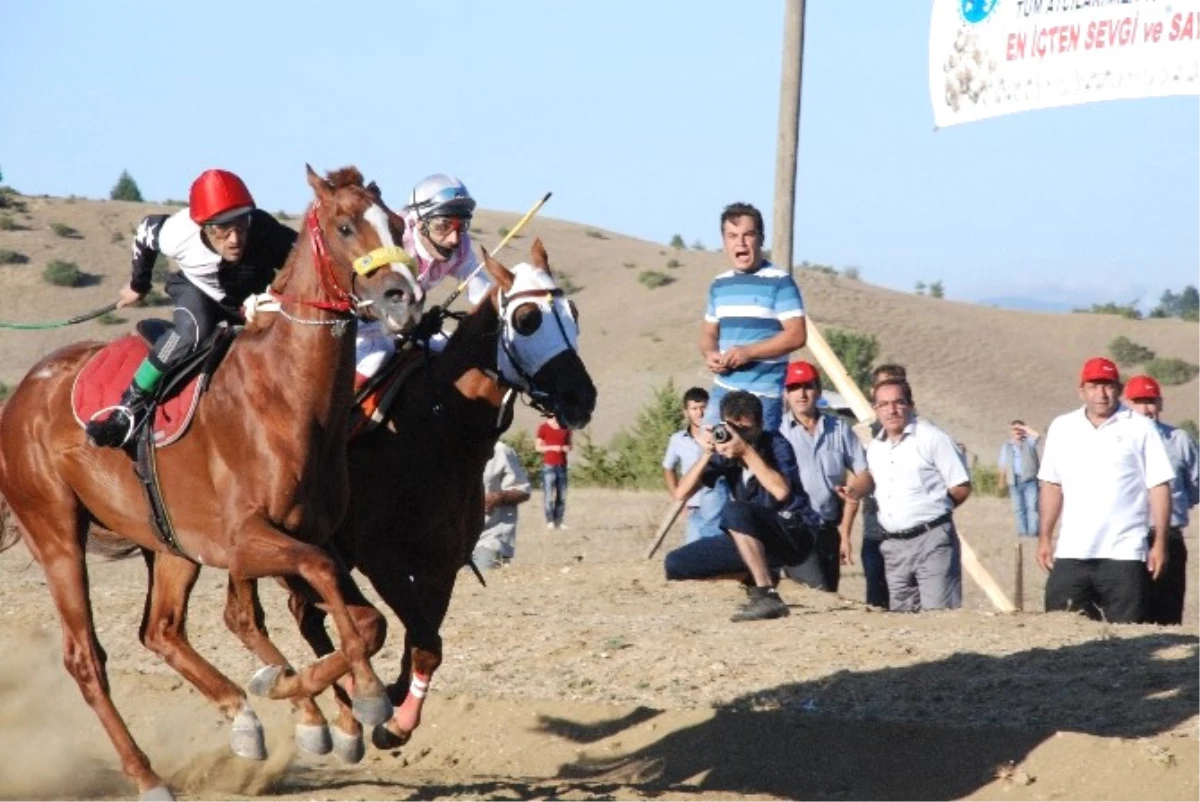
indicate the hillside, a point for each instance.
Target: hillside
{"x":973,"y":368}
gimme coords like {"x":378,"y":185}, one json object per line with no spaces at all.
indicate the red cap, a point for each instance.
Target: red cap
{"x":1099,"y":369}
{"x":1142,"y":387}
{"x":800,"y":373}
{"x":218,"y":196}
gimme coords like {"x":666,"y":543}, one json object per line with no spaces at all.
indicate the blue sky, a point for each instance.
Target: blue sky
{"x":642,"y":117}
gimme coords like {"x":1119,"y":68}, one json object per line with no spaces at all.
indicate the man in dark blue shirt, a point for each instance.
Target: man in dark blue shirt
{"x":768,"y":516}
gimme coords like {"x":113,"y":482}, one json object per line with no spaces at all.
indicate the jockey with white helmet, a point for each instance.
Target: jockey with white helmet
{"x":437,"y":222}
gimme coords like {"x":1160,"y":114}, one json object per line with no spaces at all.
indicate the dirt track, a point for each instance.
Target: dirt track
{"x":579,"y":673}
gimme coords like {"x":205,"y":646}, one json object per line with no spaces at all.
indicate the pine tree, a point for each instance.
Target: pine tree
{"x":126,"y":189}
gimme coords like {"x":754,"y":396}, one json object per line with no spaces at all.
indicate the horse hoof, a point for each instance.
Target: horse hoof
{"x":384,"y":739}
{"x":314,"y":738}
{"x":159,"y":793}
{"x":349,"y":748}
{"x":264,"y":680}
{"x":371,"y":710}
{"x":247,"y":739}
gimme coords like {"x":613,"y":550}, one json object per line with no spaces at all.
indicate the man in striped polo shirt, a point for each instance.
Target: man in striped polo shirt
{"x":754,"y":319}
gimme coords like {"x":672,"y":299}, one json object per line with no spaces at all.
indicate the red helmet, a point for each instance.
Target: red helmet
{"x":218,"y":196}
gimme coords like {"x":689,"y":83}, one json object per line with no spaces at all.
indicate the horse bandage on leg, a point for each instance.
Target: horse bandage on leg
{"x":419,"y":686}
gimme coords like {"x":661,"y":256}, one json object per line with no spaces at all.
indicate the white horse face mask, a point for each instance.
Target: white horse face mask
{"x":529,"y":340}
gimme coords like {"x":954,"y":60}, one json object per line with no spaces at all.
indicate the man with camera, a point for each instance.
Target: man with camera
{"x":768,"y":516}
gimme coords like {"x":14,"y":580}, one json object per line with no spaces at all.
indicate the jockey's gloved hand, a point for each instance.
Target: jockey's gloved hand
{"x":429,"y":324}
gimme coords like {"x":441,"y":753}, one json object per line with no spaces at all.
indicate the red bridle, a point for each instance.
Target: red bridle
{"x":342,"y":300}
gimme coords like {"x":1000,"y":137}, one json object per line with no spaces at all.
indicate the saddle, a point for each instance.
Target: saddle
{"x":106,"y":375}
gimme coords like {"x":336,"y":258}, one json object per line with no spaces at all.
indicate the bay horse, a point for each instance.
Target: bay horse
{"x":416,"y":481}
{"x":259,"y":479}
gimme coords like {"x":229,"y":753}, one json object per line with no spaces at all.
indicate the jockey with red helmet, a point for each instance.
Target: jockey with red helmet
{"x":437,"y":222}
{"x":226,"y":249}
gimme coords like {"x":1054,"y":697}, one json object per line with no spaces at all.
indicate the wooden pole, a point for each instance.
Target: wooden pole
{"x":668,"y":519}
{"x":788,"y":142}
{"x":1019,"y":578}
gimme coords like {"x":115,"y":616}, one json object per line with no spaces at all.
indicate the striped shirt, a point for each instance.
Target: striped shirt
{"x":750,"y":307}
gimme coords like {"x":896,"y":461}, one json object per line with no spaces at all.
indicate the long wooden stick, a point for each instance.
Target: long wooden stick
{"x":668,"y":519}
{"x":862,"y":410}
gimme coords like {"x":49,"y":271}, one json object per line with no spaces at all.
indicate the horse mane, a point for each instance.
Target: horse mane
{"x":345,"y":177}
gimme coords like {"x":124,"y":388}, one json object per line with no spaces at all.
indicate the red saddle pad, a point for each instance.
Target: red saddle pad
{"x":106,"y":375}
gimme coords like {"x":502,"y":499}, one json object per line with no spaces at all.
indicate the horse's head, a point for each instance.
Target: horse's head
{"x":357,"y":245}
{"x":539,"y":334}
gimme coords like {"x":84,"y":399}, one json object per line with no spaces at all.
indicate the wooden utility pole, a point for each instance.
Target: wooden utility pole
{"x":788,"y":143}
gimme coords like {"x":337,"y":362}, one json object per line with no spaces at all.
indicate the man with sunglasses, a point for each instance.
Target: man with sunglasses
{"x":225,"y":250}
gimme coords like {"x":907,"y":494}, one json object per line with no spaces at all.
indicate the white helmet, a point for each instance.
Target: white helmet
{"x":441,"y":196}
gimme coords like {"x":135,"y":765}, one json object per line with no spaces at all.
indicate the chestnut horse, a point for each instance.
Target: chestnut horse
{"x":416,"y":481}
{"x":260,"y":477}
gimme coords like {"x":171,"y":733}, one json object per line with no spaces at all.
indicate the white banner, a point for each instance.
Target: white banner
{"x":993,"y":57}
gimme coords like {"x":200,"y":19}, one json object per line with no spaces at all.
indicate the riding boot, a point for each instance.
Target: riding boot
{"x":124,"y":421}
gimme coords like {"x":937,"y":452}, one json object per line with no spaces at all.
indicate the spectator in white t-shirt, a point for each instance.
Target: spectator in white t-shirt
{"x":1106,"y":470}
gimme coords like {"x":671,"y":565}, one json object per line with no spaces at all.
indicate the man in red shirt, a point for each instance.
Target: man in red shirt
{"x":553,"y":443}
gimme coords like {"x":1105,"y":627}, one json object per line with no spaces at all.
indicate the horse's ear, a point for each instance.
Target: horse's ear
{"x":320,"y":186}
{"x":538,"y":251}
{"x":375,"y":191}
{"x":499,"y":273}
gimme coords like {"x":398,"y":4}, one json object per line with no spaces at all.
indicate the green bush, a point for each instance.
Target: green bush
{"x":677,"y":243}
{"x":156,"y":298}
{"x":174,"y":202}
{"x":851,"y":273}
{"x":110,"y":319}
{"x":629,"y":265}
{"x":1171,"y":371}
{"x":8,"y":257}
{"x":5,"y":391}
{"x":673,"y":264}
{"x":63,"y":274}
{"x":162,"y":266}
{"x":1191,"y":428}
{"x":919,"y":289}
{"x":936,"y":289}
{"x":697,"y":245}
{"x":594,"y":234}
{"x":857,"y":353}
{"x":7,"y":223}
{"x":563,"y":279}
{"x":65,"y":231}
{"x":634,"y":458}
{"x":985,"y":481}
{"x":654,"y":278}
{"x":521,"y":442}
{"x":1125,"y":351}
{"x":126,"y":189}
{"x":116,"y":238}
{"x":1127,"y":310}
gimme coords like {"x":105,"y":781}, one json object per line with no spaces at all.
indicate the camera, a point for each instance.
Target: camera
{"x":721,"y":433}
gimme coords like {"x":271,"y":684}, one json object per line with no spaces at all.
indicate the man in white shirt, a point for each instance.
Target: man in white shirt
{"x":919,"y":478}
{"x":1165,"y":604}
{"x":505,"y":485}
{"x":1106,"y":470}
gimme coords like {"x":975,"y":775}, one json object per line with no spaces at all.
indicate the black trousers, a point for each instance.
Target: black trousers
{"x":787,"y":542}
{"x":1165,"y":602}
{"x":823,"y":568}
{"x":1109,"y":590}
{"x":195,"y":317}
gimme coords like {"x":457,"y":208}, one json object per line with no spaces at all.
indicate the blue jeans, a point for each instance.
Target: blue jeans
{"x":1024,"y":497}
{"x":772,"y":408}
{"x":705,"y":520}
{"x":873,"y":572}
{"x":706,"y":558}
{"x":554,"y":490}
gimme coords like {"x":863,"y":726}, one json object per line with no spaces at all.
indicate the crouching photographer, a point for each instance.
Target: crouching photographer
{"x":768,"y":516}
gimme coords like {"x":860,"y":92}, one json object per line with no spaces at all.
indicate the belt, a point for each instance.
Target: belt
{"x":905,"y":534}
